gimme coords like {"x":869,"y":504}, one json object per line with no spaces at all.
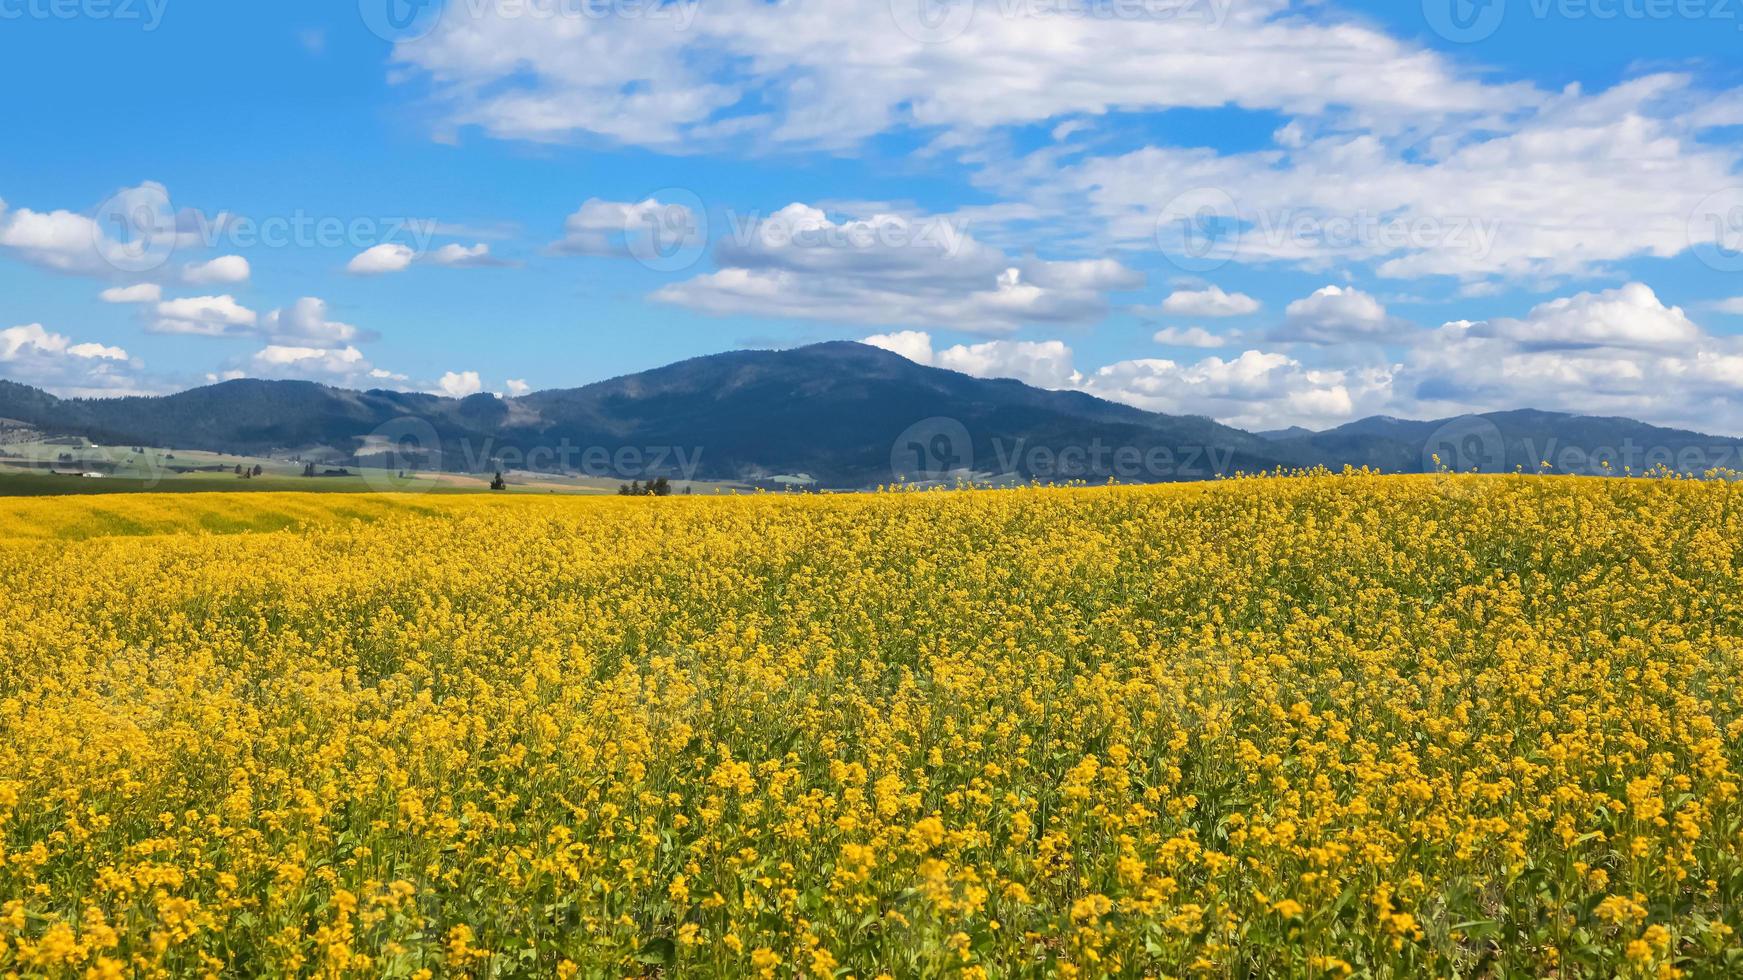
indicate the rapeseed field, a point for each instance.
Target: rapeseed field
{"x":1318,"y":726}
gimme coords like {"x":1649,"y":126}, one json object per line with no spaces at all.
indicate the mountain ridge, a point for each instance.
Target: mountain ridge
{"x":845,"y":414}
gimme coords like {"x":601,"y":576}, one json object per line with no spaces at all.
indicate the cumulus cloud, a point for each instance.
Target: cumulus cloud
{"x":224,"y":269}
{"x":145,"y":292}
{"x":306,"y":322}
{"x":93,"y":244}
{"x":1631,"y":316}
{"x":381,"y":259}
{"x":207,"y":316}
{"x":517,"y":387}
{"x":303,"y":324}
{"x":459,"y":384}
{"x":1336,"y":314}
{"x":1209,"y":302}
{"x":1194,"y":337}
{"x":340,"y":366}
{"x":1254,"y":390}
{"x":612,"y":228}
{"x":892,"y":269}
{"x":32,"y":354}
{"x":1566,"y":183}
{"x":393,"y":257}
{"x":915,"y":345}
{"x":1045,"y":364}
{"x":457,"y":256}
{"x":1622,"y":352}
{"x":1617,"y":352}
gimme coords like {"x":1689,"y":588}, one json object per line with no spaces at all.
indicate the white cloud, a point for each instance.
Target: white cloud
{"x":89,"y":351}
{"x":393,"y":257}
{"x":1209,"y":302}
{"x":381,"y":259}
{"x":788,"y":73}
{"x":34,"y":355}
{"x":145,"y":292}
{"x":1619,"y":352}
{"x":208,"y":316}
{"x":1194,"y":337}
{"x":891,"y":269}
{"x":305,"y":322}
{"x":456,"y":256}
{"x":517,"y":387}
{"x":1733,"y":306}
{"x":1337,"y":314}
{"x":459,"y":384}
{"x":79,"y":244}
{"x":1566,"y":183}
{"x":60,"y":240}
{"x":345,"y":366}
{"x":1045,"y":364}
{"x":1631,"y":316}
{"x":600,"y":227}
{"x":1255,"y":389}
{"x":915,"y":345}
{"x":224,"y":269}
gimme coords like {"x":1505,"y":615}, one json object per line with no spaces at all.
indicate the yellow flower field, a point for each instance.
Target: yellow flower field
{"x":1289,"y":726}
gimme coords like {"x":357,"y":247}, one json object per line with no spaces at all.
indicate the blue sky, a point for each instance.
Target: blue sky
{"x":1268,"y":212}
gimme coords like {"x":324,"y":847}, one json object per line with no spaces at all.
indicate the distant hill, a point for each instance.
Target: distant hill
{"x":841,"y":415}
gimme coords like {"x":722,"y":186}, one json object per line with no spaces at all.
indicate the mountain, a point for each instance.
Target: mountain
{"x":841,"y":415}
{"x":1522,"y":440}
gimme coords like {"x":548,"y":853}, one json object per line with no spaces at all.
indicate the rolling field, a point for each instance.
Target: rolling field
{"x":1322,"y":726}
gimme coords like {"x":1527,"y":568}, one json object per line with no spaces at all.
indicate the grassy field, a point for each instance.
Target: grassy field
{"x":1323,"y":726}
{"x":37,"y":468}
